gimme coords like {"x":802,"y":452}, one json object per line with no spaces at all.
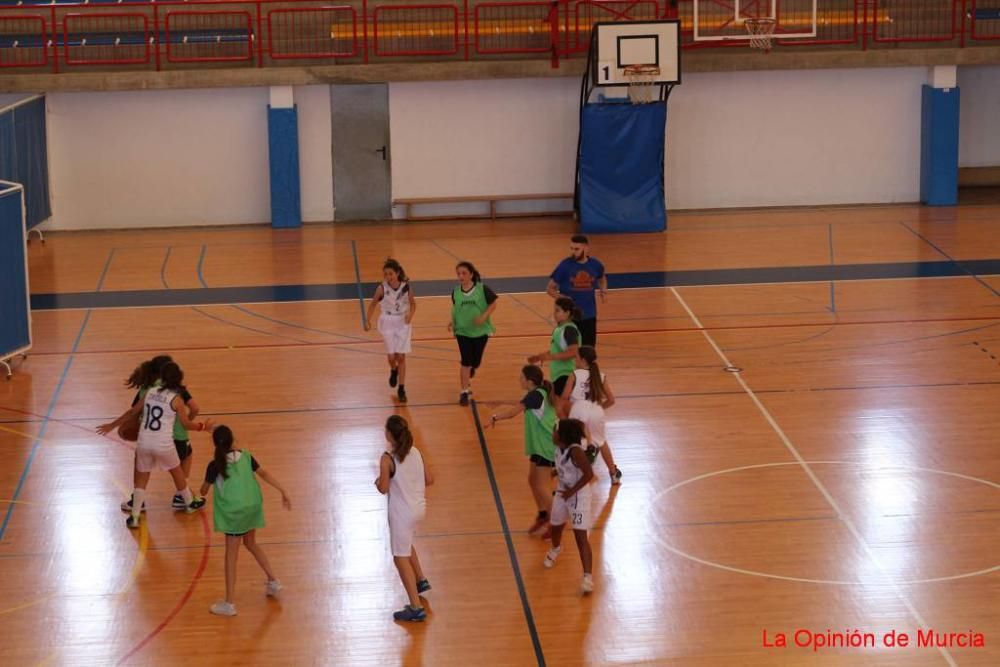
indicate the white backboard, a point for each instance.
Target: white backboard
{"x":636,"y":43}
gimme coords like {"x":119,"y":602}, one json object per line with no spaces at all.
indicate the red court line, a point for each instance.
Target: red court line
{"x":184,"y":599}
{"x":745,"y":327}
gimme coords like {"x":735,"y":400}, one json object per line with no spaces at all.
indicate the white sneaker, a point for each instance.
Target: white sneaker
{"x":550,"y":557}
{"x":223,"y":608}
{"x":588,"y":584}
{"x":273,"y":588}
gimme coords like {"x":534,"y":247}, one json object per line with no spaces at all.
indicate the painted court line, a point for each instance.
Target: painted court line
{"x":52,"y":405}
{"x":844,"y":518}
{"x":511,"y":552}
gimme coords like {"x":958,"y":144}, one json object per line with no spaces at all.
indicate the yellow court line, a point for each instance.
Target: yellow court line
{"x":132,"y":577}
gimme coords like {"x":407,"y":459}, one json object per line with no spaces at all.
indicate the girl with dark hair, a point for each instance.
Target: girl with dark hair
{"x":161,"y":407}
{"x":395,"y":296}
{"x":472,"y":304}
{"x":238,"y":510}
{"x":404,"y":477}
{"x":539,"y":420}
{"x":589,"y":396}
{"x":145,"y":376}
{"x":563,"y":345}
{"x":572,"y":502}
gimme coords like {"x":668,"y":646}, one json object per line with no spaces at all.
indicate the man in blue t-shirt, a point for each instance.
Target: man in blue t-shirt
{"x":577,"y":277}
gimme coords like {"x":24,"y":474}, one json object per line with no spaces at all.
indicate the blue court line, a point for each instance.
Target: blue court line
{"x":357,"y":280}
{"x":511,"y":552}
{"x":163,"y":268}
{"x":960,"y":265}
{"x":531,"y":310}
{"x":642,"y":279}
{"x":52,"y":405}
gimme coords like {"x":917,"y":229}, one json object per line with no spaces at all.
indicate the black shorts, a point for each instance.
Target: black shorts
{"x":541,"y":461}
{"x":184,"y":449}
{"x":471,"y":349}
{"x":588,"y":331}
{"x":559,"y":385}
{"x":236,"y":534}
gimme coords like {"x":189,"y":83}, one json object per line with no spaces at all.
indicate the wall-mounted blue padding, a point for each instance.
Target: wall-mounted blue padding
{"x":283,"y":160}
{"x":939,"y":146}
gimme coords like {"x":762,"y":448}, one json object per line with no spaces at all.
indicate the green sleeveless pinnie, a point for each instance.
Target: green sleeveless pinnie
{"x":238,"y":502}
{"x":560,"y":367}
{"x":466,"y":308}
{"x":538,"y":427}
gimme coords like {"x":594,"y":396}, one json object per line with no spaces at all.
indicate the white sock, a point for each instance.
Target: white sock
{"x":138,"y":498}
{"x":187,"y":495}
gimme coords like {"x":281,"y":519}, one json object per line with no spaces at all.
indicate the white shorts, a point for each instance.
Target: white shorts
{"x":402,"y":528}
{"x":592,"y":415}
{"x":148,"y":460}
{"x":576,"y":511}
{"x":395,"y":333}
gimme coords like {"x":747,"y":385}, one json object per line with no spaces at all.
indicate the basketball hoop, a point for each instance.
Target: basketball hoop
{"x":641,"y":83}
{"x":761,"y":33}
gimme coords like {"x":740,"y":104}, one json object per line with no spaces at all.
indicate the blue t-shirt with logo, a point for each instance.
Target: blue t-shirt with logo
{"x":578,"y":280}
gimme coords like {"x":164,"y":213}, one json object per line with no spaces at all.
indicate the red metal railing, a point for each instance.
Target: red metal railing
{"x":105,"y":38}
{"x":27,"y":45}
{"x":173,"y":34}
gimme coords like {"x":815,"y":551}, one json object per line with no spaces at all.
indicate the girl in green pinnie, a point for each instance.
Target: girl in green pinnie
{"x":472,"y":304}
{"x":239,"y":510}
{"x":539,"y":421}
{"x":561,"y":354}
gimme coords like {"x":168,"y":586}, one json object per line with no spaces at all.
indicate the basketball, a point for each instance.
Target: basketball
{"x":129,"y":430}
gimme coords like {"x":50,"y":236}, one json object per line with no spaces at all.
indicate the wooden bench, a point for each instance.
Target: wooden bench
{"x":492,"y":200}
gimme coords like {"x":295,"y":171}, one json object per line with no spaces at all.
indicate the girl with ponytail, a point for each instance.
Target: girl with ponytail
{"x":404,"y":477}
{"x":562,"y":346}
{"x":589,"y":396}
{"x":539,"y":420}
{"x":239,"y":510}
{"x":395,"y":297}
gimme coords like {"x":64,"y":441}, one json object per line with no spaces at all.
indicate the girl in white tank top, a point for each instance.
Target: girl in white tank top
{"x":589,"y":396}
{"x":395,"y":298}
{"x":404,"y":477}
{"x":161,"y":406}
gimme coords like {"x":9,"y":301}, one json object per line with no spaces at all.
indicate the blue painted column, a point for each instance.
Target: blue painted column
{"x":939,"y":138}
{"x":283,"y":158}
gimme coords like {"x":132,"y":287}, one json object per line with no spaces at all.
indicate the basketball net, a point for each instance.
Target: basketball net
{"x":761,"y":33}
{"x":642,"y":87}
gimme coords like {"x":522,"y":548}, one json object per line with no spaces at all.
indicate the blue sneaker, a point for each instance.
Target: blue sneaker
{"x":423,"y":586}
{"x":408,"y":613}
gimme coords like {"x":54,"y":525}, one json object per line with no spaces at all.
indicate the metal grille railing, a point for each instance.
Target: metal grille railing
{"x":985,"y":18}
{"x":909,"y":21}
{"x":208,"y":36}
{"x":415,"y":30}
{"x":588,"y":12}
{"x":522,"y":27}
{"x":324,"y":32}
{"x":23,"y":41}
{"x":106,"y":39}
{"x":170,"y":34}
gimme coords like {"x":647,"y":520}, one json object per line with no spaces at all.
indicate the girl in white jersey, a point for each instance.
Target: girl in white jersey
{"x":395,"y":296}
{"x":155,"y":448}
{"x":589,"y":396}
{"x":403,"y":475}
{"x":572,"y":503}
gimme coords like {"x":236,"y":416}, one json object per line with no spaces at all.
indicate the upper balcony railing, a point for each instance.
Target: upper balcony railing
{"x":147,"y":35}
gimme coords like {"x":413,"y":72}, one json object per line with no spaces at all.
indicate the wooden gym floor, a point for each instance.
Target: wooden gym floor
{"x":846,"y":478}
